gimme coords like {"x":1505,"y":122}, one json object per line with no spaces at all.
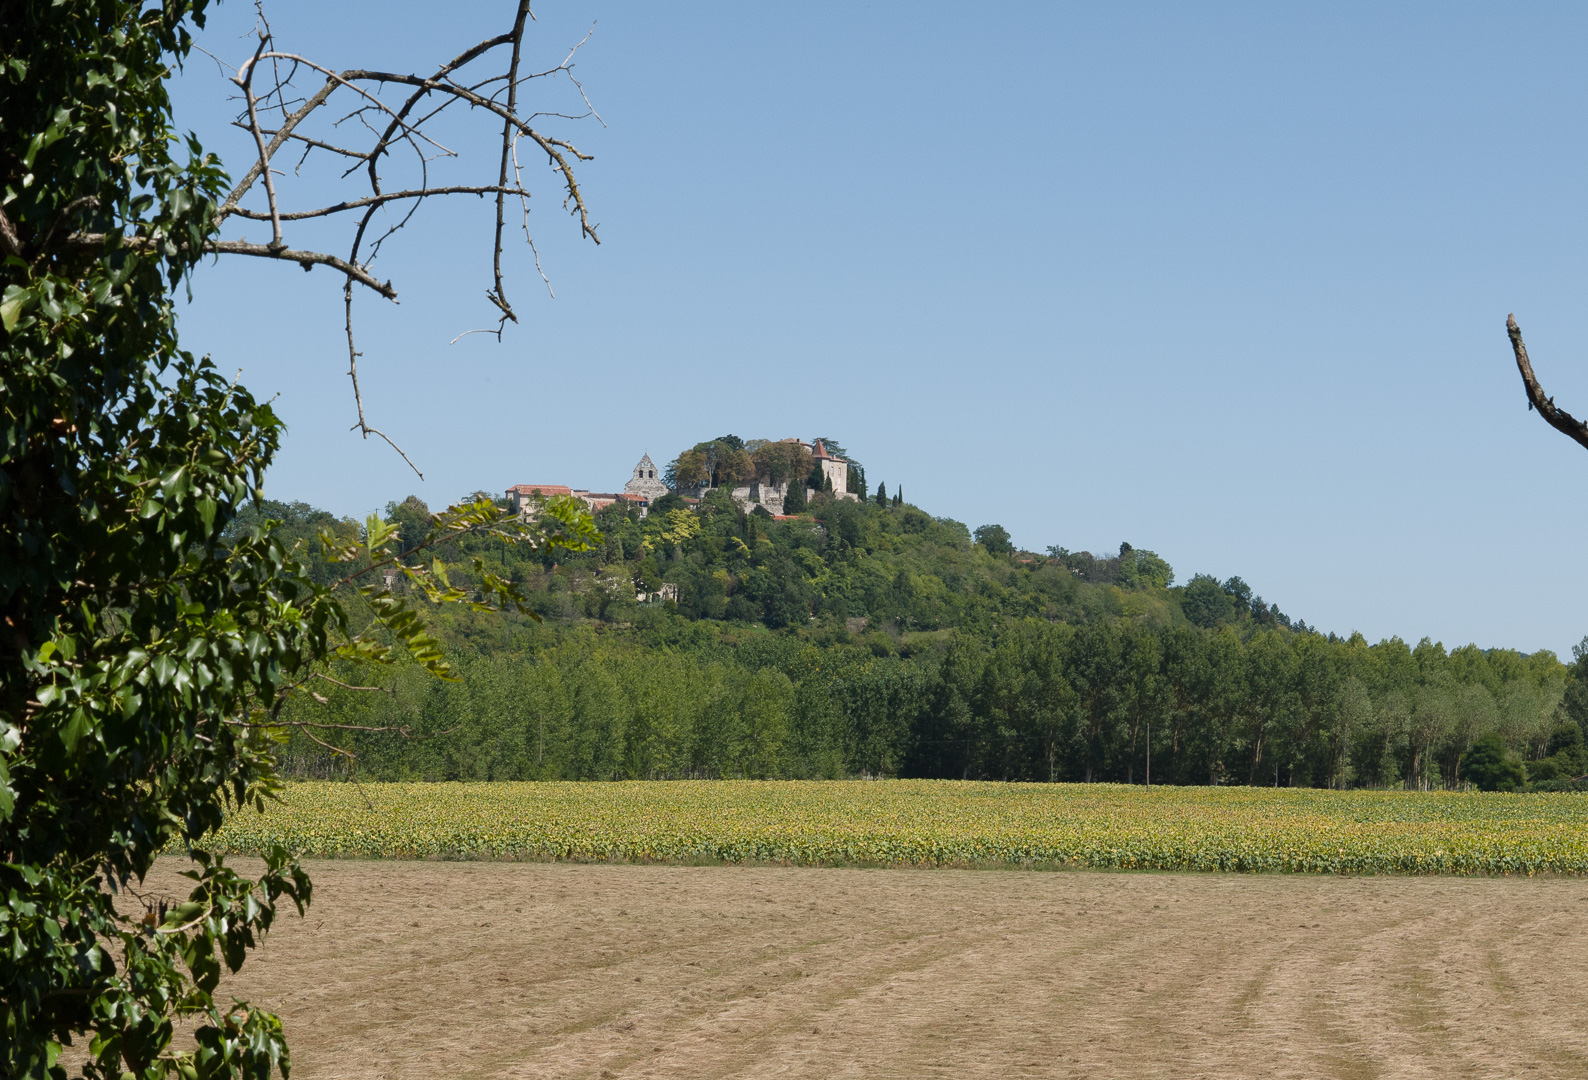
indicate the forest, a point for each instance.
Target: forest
{"x":868,"y":638}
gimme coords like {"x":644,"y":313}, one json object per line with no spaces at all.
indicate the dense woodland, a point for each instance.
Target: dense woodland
{"x":872,"y":639}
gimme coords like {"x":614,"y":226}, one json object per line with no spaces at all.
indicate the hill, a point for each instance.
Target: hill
{"x":868,"y":637}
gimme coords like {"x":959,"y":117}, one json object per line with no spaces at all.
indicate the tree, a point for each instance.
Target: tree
{"x":1240,"y":595}
{"x":1205,"y":602}
{"x":995,"y":538}
{"x":151,"y":641}
{"x":1096,"y":667}
{"x":794,"y":501}
{"x":778,"y":461}
{"x":723,"y":462}
{"x":688,"y":470}
{"x":1141,"y":569}
{"x":882,"y":493}
{"x":1490,"y":765}
{"x":1144,"y":691}
{"x":412,"y":518}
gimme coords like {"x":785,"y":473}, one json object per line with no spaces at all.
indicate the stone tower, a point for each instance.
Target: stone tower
{"x":645,"y":482}
{"x":833,"y":469}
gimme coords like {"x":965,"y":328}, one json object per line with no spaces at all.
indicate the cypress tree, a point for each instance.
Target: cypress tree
{"x":794,"y":501}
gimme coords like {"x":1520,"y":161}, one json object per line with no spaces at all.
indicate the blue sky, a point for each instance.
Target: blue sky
{"x":1224,"y":281}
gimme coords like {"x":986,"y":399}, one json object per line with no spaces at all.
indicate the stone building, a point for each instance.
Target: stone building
{"x":520,"y":496}
{"x":645,"y":482}
{"x":645,"y":487}
{"x":834,"y":471}
{"x":640,"y":491}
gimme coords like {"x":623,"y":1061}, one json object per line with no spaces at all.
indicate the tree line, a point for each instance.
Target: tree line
{"x":1112,"y":700}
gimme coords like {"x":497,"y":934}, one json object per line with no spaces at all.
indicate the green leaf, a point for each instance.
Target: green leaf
{"x":11,"y":306}
{"x":183,"y":914}
{"x":77,"y":726}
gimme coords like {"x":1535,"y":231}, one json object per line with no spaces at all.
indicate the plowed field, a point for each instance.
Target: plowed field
{"x":426,"y":969}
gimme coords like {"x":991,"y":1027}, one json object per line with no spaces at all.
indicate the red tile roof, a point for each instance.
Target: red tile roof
{"x":820,"y":451}
{"x":544,"y":489}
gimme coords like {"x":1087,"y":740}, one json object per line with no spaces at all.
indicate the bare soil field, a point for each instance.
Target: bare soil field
{"x":419,"y":969}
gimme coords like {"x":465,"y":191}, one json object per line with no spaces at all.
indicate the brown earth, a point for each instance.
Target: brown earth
{"x":417,"y":970}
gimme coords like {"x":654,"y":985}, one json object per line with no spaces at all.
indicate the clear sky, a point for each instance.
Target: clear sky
{"x":1224,"y":281}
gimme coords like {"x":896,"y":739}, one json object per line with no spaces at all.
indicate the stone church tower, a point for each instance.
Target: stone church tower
{"x":645,"y":482}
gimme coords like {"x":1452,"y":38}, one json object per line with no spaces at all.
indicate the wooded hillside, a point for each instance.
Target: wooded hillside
{"x":871,"y":638}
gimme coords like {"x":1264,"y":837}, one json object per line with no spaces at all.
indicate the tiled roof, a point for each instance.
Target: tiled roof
{"x":544,"y":489}
{"x":820,"y":451}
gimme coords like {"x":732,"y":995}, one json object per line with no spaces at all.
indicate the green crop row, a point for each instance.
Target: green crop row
{"x":929,"y":823}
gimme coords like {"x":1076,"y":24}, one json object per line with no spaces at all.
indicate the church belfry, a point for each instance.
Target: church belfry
{"x":645,"y":481}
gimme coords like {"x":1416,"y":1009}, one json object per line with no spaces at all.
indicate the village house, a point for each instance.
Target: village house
{"x":641,"y":490}
{"x":645,"y":487}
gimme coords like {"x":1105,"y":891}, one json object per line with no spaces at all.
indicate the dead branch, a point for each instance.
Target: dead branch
{"x":498,"y":295}
{"x":245,"y":79}
{"x":397,"y":133}
{"x":1556,"y":417}
{"x":305,"y":259}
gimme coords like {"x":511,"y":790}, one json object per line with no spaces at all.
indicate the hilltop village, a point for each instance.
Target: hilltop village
{"x":759,"y":472}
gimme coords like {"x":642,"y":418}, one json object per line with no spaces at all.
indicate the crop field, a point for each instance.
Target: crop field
{"x":930,"y":823}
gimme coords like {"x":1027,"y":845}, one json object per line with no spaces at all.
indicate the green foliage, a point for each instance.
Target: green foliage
{"x":154,"y":625}
{"x":794,"y":501}
{"x":1205,"y":602}
{"x":1028,"y":700}
{"x":297,"y":526}
{"x":995,"y":538}
{"x":1491,"y":766}
{"x":1070,"y":667}
{"x":1142,"y":569}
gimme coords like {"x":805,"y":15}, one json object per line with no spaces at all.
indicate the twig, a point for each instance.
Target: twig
{"x":348,"y":686}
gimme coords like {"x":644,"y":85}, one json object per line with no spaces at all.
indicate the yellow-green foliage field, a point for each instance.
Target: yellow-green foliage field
{"x":930,"y":823}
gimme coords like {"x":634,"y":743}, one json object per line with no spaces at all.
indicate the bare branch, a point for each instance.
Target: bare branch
{"x":349,"y":686}
{"x":8,"y":235}
{"x":245,"y":79}
{"x":305,"y":259}
{"x":553,"y":148}
{"x":281,"y":136}
{"x":413,"y":120}
{"x":392,"y":196}
{"x":363,"y":427}
{"x":1556,"y":417}
{"x":498,"y":295}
